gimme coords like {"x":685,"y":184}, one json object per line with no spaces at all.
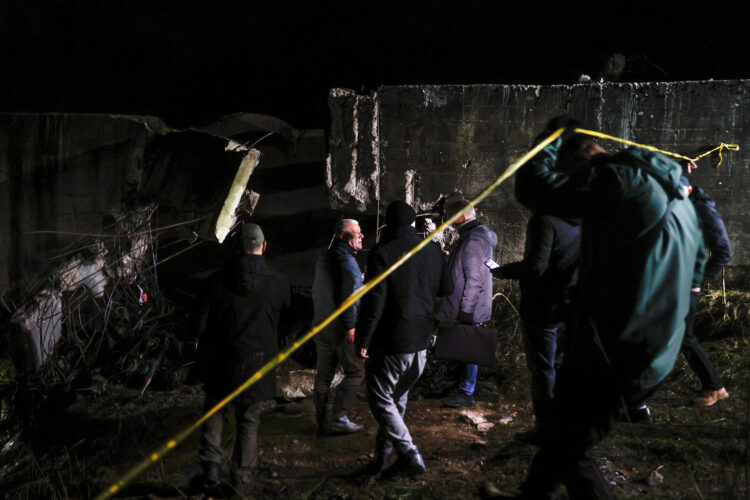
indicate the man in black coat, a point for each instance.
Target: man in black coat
{"x":393,"y":332}
{"x":237,"y":318}
{"x":717,"y":240}
{"x":548,"y":268}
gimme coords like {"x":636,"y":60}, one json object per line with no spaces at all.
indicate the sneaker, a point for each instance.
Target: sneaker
{"x":343,"y":425}
{"x":458,"y":400}
{"x":707,"y":398}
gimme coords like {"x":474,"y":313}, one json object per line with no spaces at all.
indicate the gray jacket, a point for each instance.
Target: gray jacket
{"x":471,"y":300}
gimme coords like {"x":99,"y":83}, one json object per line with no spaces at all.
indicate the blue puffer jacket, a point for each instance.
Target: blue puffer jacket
{"x":471,"y":299}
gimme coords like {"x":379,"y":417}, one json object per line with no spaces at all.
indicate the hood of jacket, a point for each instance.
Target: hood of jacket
{"x":664,"y":170}
{"x":474,"y":229}
{"x":244,"y":273}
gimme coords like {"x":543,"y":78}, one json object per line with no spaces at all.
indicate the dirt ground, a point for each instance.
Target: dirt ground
{"x":79,"y":449}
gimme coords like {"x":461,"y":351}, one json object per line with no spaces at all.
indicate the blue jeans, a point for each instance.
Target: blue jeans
{"x":540,"y":343}
{"x":469,"y":379}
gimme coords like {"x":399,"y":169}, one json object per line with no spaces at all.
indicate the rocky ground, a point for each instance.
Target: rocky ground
{"x":80,"y":448}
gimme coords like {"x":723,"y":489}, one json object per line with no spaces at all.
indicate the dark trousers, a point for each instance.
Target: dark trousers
{"x":245,"y":456}
{"x":329,"y":355}
{"x":540,"y":343}
{"x":696,"y":356}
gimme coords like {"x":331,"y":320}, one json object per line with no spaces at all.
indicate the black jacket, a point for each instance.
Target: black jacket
{"x":237,"y":318}
{"x":714,"y":233}
{"x":551,"y":257}
{"x":398,"y":315}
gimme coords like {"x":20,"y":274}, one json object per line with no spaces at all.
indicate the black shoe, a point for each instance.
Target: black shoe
{"x":640,"y":415}
{"x":243,"y":488}
{"x":458,"y":400}
{"x":409,"y":464}
{"x":383,"y":459}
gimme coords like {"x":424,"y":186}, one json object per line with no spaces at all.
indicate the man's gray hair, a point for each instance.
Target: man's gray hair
{"x":342,"y":223}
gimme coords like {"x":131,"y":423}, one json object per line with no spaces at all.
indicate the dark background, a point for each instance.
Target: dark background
{"x":190,"y":61}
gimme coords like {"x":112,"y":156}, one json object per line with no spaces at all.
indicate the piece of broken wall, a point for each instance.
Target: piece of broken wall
{"x":63,"y":175}
{"x":433,"y":140}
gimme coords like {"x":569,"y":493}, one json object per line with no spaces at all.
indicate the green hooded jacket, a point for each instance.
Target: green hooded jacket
{"x":641,"y":253}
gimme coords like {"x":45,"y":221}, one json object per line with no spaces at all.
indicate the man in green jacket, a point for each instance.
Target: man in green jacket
{"x":642,"y":252}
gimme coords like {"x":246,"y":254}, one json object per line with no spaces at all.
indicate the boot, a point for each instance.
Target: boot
{"x":211,"y":474}
{"x":320,"y":399}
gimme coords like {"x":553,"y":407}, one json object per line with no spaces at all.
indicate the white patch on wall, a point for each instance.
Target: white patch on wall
{"x":433,"y":99}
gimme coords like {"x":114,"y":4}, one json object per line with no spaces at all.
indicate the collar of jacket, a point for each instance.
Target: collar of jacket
{"x":341,"y":245}
{"x":395,"y":232}
{"x":467,"y":226}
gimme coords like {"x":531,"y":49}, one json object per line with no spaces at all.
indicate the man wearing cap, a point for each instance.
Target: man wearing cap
{"x":337,"y":276}
{"x":471,"y":299}
{"x":394,"y":329}
{"x":237,"y":319}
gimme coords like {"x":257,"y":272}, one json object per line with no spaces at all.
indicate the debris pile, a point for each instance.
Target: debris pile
{"x":99,"y":313}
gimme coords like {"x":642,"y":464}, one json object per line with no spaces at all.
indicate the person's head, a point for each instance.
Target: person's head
{"x":576,"y":152}
{"x":400,"y":213}
{"x":252,"y":240}
{"x":348,"y":231}
{"x":461,"y":205}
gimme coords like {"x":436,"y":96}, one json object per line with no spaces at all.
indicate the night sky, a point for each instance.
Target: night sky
{"x":190,"y":61}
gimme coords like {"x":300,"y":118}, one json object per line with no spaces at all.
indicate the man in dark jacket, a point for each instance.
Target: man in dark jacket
{"x":237,"y":318}
{"x":548,"y":268}
{"x":471,"y":300}
{"x":337,"y":276}
{"x":717,"y":240}
{"x":641,"y":253}
{"x":394,"y":329}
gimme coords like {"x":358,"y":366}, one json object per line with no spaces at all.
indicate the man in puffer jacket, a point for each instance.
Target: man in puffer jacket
{"x":237,"y":318}
{"x":642,"y":252}
{"x":471,"y":300}
{"x":337,"y":276}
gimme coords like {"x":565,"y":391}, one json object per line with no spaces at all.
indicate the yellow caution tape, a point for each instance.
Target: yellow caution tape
{"x":720,"y":147}
{"x":283,"y":355}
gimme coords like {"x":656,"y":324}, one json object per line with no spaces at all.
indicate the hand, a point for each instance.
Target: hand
{"x":350,"y":336}
{"x":497,"y":273}
{"x":465,"y":318}
{"x":363,"y":353}
{"x":563,"y":121}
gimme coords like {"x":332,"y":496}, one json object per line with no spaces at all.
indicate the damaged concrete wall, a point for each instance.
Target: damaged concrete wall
{"x":62,"y":173}
{"x":435,"y":140}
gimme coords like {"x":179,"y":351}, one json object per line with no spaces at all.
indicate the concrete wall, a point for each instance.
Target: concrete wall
{"x":434,"y":140}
